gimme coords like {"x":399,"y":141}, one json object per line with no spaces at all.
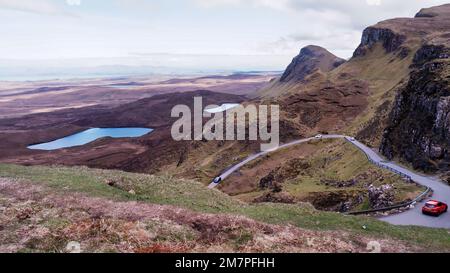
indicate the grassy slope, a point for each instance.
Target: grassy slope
{"x":336,"y":160}
{"x":194,"y":196}
{"x":384,"y":73}
{"x":343,"y":161}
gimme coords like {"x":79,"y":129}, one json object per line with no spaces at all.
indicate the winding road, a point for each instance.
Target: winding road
{"x":412,"y":216}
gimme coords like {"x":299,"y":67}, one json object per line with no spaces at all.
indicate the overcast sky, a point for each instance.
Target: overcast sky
{"x":232,"y":33}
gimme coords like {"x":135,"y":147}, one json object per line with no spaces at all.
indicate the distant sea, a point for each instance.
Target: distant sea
{"x":25,"y":74}
{"x":74,"y":76}
{"x":24,"y":78}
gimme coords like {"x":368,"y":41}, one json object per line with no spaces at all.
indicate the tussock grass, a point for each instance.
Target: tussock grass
{"x":194,"y":196}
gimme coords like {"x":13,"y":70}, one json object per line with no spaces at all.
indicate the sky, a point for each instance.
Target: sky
{"x":185,"y":34}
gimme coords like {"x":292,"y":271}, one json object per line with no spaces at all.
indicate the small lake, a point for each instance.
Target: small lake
{"x":90,"y":135}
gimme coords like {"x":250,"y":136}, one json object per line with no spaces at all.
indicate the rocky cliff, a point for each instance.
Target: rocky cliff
{"x":419,"y":127}
{"x":390,"y":40}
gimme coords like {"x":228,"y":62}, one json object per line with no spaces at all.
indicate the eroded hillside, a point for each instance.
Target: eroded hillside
{"x":331,"y":175}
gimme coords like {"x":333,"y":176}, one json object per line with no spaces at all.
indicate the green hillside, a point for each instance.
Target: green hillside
{"x":191,"y":195}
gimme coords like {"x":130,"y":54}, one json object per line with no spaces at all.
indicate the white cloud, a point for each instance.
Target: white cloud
{"x":361,"y":12}
{"x":217,"y":3}
{"x":73,"y":2}
{"x":142,"y":5}
{"x":267,"y":29}
{"x":274,"y":4}
{"x":35,"y":6}
{"x":334,"y":24}
{"x":373,"y":2}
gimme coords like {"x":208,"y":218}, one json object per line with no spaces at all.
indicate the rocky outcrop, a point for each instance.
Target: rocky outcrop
{"x":381,"y":197}
{"x":419,"y":125}
{"x":310,"y":59}
{"x":390,"y":40}
{"x":339,"y":201}
{"x":267,"y":181}
{"x":339,"y":184}
{"x":428,"y":53}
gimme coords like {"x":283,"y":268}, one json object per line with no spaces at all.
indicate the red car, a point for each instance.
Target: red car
{"x":434,"y":207}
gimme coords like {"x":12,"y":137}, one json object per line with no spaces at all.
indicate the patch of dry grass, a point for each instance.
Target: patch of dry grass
{"x":65,"y":208}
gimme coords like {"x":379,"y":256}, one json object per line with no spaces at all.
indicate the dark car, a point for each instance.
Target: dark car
{"x":217,"y":180}
{"x":435,"y":208}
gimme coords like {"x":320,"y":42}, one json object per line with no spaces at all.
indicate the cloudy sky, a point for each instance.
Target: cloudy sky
{"x":244,"y":34}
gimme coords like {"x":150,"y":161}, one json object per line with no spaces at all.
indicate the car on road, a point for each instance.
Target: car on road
{"x":434,"y":207}
{"x":319,"y":136}
{"x":352,"y":139}
{"x":217,"y":180}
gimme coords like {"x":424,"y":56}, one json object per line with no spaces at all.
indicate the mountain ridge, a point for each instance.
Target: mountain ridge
{"x":372,"y":95}
{"x":311,"y":58}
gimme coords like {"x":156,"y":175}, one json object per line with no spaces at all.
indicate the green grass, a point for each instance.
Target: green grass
{"x":193,"y":195}
{"x":337,"y":160}
{"x":153,"y":189}
{"x":304,"y":185}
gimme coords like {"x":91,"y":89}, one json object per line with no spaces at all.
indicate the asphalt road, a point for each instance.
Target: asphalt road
{"x":412,"y":216}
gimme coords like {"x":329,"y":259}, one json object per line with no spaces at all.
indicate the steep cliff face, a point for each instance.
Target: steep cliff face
{"x":310,"y":59}
{"x":413,"y":122}
{"x":419,"y":126}
{"x":390,"y":40}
